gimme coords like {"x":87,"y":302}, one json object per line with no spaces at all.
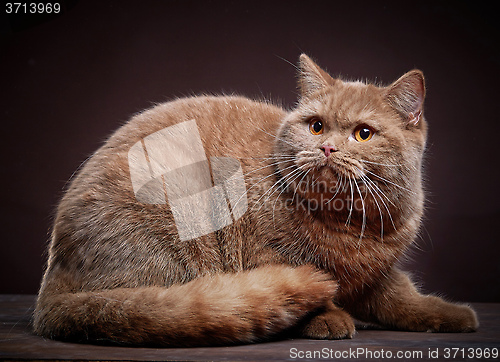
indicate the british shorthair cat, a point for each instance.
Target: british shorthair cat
{"x":223,"y":220}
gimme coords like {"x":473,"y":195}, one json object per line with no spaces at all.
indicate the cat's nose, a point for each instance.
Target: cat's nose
{"x":327,"y":149}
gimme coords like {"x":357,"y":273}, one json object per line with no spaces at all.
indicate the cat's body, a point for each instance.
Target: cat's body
{"x":328,"y":217}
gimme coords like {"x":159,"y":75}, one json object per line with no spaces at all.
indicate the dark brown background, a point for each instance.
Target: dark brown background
{"x":68,"y":81}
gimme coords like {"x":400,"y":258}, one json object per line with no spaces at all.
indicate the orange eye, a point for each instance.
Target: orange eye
{"x":316,"y":126}
{"x":363,"y":133}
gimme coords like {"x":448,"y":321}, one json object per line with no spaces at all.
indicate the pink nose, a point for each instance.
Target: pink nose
{"x":328,"y":149}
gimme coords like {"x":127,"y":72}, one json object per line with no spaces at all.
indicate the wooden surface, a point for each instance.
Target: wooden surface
{"x":17,"y":342}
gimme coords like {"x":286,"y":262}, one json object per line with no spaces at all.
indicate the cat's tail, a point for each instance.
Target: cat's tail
{"x":216,"y":309}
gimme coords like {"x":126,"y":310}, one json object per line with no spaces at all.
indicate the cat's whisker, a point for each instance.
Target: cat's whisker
{"x":363,"y":225}
{"x":281,"y":157}
{"x":271,"y":155}
{"x":390,"y":182}
{"x":376,"y":187}
{"x":380,"y":193}
{"x":307,"y":152}
{"x":369,"y":188}
{"x":298,"y":184}
{"x":268,"y":157}
{"x":284,"y":189}
{"x":272,"y":187}
{"x":352,"y":203}
{"x":314,"y":181}
{"x":284,"y":185}
{"x":307,"y":164}
{"x":300,"y":172}
{"x":280,"y":184}
{"x":272,"y":164}
{"x":381,"y":164}
{"x":289,"y":179}
{"x":340,"y":185}
{"x":278,"y":138}
{"x":256,"y":183}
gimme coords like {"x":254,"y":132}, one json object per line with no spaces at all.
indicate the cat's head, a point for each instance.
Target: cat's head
{"x":354,"y":140}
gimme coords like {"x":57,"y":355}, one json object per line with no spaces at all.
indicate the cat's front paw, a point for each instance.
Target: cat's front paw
{"x":332,"y":324}
{"x":450,"y":317}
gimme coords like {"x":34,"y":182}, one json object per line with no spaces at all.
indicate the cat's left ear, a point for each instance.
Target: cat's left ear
{"x":407,"y":94}
{"x":311,"y":77}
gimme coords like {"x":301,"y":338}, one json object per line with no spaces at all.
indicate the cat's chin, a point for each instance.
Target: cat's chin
{"x":344,"y":167}
{"x":328,"y":181}
{"x":328,"y":176}
{"x":323,"y":184}
{"x":333,"y":173}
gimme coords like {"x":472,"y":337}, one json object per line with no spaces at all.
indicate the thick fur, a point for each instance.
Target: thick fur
{"x":318,"y":243}
{"x":212,"y":309}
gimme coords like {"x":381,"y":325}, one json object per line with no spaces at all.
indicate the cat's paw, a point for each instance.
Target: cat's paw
{"x":332,"y":324}
{"x":450,"y":317}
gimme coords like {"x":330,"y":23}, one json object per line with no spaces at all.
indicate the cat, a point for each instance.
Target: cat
{"x":333,"y":199}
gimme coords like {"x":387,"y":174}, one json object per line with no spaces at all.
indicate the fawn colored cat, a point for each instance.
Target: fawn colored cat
{"x":333,"y":198}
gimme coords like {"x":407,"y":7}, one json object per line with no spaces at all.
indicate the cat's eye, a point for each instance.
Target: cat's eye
{"x":363,"y":133}
{"x":316,"y":126}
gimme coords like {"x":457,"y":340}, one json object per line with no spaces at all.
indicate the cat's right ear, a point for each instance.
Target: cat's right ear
{"x":407,"y":94}
{"x":311,"y":77}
